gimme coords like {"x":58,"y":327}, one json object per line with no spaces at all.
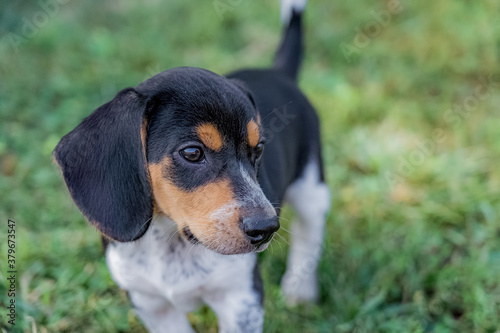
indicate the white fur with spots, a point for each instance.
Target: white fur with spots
{"x":167,"y":277}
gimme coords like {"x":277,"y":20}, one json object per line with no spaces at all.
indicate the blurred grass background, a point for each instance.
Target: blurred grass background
{"x":412,"y":154}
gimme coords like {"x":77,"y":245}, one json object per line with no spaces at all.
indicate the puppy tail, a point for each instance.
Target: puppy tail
{"x":289,"y":55}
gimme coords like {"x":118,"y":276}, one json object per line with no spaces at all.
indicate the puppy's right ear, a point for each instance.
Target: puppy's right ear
{"x":243,"y":87}
{"x":104,"y":166}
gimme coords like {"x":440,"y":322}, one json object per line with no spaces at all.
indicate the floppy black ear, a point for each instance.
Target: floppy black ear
{"x":104,"y":166}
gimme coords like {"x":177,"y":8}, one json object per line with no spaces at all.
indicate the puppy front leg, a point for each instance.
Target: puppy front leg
{"x":238,"y":311}
{"x":158,"y":315}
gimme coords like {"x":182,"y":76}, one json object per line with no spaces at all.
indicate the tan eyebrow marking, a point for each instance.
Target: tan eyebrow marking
{"x":210,"y":136}
{"x":253,"y":133}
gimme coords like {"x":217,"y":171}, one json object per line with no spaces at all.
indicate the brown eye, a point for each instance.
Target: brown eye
{"x":192,"y":154}
{"x":258,"y":150}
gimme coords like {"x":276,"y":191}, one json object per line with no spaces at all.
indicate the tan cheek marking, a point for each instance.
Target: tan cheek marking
{"x":199,"y":210}
{"x":143,"y":135}
{"x":210,"y":136}
{"x":163,"y":201}
{"x":253,"y":133}
{"x":193,"y":207}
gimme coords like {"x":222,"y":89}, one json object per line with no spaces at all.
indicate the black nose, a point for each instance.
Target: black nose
{"x":260,"y":231}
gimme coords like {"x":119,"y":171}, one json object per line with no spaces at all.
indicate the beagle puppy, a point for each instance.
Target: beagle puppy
{"x":185,"y":175}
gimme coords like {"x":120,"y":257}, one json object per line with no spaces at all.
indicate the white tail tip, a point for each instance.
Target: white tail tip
{"x":288,"y":5}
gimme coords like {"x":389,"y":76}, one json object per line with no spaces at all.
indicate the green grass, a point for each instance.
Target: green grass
{"x":413,"y":241}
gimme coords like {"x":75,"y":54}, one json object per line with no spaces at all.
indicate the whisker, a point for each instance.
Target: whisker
{"x":286,"y":220}
{"x":283,"y":239}
{"x":139,"y":230}
{"x":176,"y":233}
{"x":285,"y":229}
{"x":192,"y":247}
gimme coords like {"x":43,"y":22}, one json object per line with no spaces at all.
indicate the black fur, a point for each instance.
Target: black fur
{"x":289,"y":55}
{"x":258,"y":284}
{"x":290,"y":125}
{"x":103,"y":164}
{"x":184,"y":98}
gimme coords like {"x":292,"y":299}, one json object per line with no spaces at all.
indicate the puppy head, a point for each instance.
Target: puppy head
{"x":187,"y":144}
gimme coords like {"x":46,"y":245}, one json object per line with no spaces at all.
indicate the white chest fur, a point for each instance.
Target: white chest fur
{"x":162,"y":264}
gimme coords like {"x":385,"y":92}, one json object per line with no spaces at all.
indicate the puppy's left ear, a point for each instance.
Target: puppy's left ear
{"x":104,"y":166}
